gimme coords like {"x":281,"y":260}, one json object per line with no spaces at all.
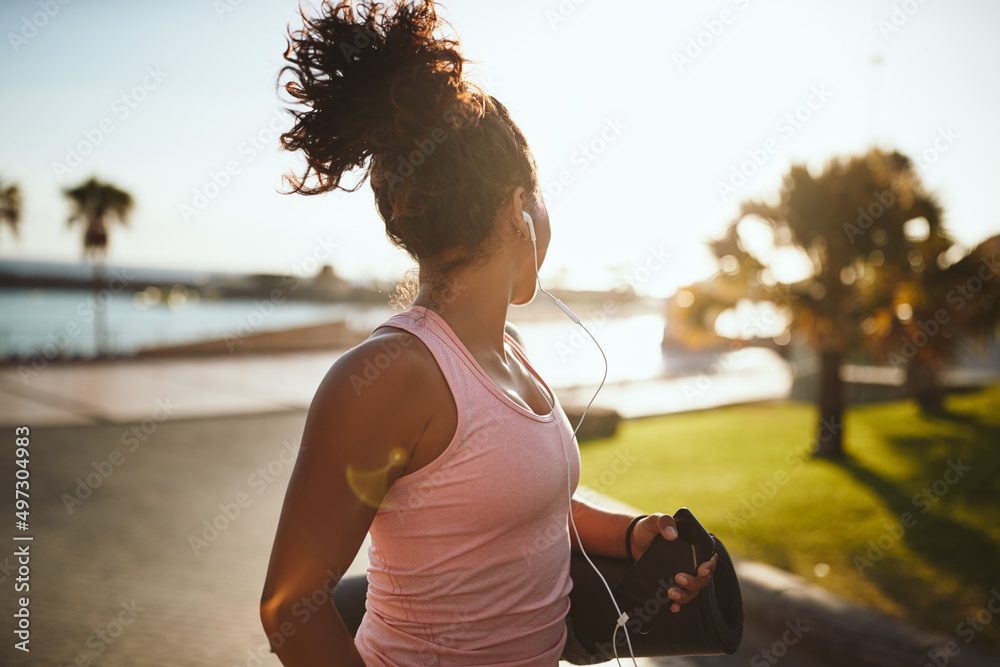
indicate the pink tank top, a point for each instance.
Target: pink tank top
{"x":469,"y":557}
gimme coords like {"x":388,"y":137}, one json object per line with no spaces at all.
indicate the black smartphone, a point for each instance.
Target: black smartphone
{"x":693,"y":533}
{"x":642,"y":593}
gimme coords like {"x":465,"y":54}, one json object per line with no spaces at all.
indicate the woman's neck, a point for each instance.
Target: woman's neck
{"x":473,"y":302}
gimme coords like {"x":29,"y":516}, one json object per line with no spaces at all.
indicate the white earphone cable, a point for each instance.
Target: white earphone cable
{"x":569,"y":473}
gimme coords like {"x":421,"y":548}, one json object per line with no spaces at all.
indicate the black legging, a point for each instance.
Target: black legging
{"x":349,"y":598}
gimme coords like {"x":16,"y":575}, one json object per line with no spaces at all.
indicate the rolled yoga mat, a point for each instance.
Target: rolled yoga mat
{"x":711,"y":624}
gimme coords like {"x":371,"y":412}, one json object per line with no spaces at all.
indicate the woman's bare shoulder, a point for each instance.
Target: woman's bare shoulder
{"x":390,"y":365}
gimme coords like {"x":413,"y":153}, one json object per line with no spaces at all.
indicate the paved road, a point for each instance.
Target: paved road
{"x":116,"y":578}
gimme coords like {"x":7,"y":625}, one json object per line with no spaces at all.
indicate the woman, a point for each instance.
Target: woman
{"x":435,"y":434}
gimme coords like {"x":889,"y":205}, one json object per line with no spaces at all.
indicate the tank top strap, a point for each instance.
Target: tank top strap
{"x":466,"y":378}
{"x":447,"y":351}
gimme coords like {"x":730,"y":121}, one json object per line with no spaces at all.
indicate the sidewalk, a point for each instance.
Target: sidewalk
{"x":157,"y":555}
{"x":82,"y":392}
{"x":89,"y":393}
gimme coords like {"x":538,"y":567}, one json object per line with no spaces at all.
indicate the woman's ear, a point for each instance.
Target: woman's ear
{"x":513,"y":208}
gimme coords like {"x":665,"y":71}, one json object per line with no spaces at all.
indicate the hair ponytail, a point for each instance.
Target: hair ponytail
{"x":384,"y":92}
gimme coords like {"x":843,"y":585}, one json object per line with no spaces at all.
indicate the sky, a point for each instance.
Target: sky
{"x":650,"y":121}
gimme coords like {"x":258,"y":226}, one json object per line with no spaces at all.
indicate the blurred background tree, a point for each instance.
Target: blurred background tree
{"x":96,"y":205}
{"x":885,"y":280}
{"x":10,"y":206}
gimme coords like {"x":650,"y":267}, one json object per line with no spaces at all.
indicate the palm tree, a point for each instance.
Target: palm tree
{"x":10,"y":206}
{"x":96,"y":205}
{"x":850,"y":222}
{"x":936,"y":304}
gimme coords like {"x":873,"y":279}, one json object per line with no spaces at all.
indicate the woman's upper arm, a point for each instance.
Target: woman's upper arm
{"x":363,"y":419}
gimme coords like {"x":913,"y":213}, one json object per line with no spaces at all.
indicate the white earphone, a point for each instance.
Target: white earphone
{"x":531,"y":232}
{"x":531,"y":225}
{"x":621,"y":617}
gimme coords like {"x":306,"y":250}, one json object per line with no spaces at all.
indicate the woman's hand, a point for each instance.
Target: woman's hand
{"x":663,"y":524}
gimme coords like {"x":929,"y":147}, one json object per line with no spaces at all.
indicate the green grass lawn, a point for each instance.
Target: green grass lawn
{"x":908,"y":524}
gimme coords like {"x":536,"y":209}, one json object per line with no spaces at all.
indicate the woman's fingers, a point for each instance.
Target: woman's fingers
{"x":680,"y":596}
{"x":648,"y":528}
{"x":708,"y":567}
{"x":691,"y":584}
{"x":666,"y":526}
{"x":705,"y":572}
{"x":688,"y":585}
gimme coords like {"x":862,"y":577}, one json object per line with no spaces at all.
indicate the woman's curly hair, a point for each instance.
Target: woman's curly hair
{"x":384,"y":93}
